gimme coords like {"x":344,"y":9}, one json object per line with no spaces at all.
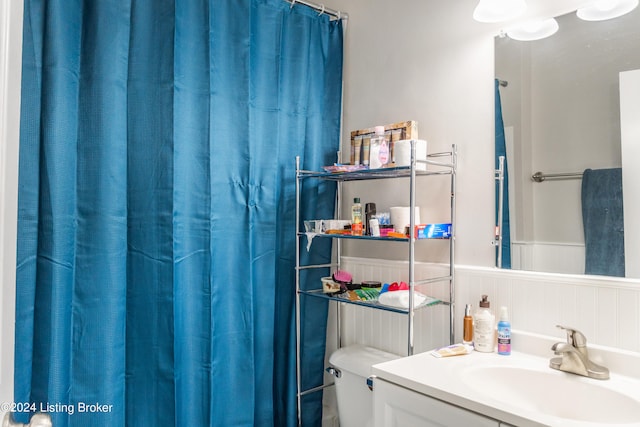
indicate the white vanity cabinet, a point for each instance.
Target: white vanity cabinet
{"x":488,"y":389}
{"x":396,"y":406}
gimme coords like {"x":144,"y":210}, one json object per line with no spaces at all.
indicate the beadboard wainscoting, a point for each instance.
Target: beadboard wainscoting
{"x":564,"y":258}
{"x":606,"y":310}
{"x":386,"y":330}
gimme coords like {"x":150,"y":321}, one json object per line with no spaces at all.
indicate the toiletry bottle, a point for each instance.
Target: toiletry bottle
{"x":369,"y":213}
{"x":383,"y":154}
{"x":374,"y":227}
{"x":352,"y":156}
{"x":504,"y":333}
{"x":387,"y":139}
{"x":356,"y":217}
{"x":483,"y":327}
{"x":396,"y":135}
{"x":467,"y":326}
{"x":379,"y":154}
{"x":357,"y":149}
{"x":366,"y":148}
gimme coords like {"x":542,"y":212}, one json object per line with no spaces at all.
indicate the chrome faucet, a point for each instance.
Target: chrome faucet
{"x":574,"y":356}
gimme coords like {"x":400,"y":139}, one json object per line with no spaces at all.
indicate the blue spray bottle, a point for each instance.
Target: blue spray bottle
{"x":504,"y":333}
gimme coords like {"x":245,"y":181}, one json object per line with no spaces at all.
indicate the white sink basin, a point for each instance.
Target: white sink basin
{"x":554,"y":393}
{"x":522,"y":390}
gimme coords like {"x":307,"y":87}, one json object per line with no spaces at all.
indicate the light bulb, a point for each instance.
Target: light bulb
{"x":605,"y":5}
{"x":534,"y":30}
{"x":498,"y":10}
{"x":600,"y":10}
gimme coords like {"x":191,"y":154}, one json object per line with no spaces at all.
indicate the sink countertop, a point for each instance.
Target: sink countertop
{"x":448,"y":379}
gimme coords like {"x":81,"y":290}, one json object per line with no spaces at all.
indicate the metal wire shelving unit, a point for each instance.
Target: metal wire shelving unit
{"x":444,"y":163}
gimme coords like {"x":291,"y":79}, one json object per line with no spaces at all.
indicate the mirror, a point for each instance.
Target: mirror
{"x":561,"y":114}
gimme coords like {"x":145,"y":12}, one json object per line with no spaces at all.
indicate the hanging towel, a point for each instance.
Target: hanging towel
{"x":603,"y":221}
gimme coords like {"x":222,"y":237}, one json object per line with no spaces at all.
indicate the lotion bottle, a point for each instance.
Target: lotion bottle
{"x":484,"y":327}
{"x":504,"y":333}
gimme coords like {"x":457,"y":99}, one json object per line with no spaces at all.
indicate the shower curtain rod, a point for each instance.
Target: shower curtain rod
{"x":320,"y":8}
{"x":540,"y":176}
{"x":503,"y":83}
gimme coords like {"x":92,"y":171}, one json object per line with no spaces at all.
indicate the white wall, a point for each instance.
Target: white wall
{"x":424,"y":61}
{"x":629,"y":113}
{"x":10,"y":67}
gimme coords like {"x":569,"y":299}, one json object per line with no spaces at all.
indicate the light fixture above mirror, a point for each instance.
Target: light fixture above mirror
{"x":494,"y":11}
{"x":498,"y":10}
{"x":534,"y":30}
{"x":601,"y":10}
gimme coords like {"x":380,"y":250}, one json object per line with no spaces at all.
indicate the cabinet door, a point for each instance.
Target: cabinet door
{"x":395,"y":406}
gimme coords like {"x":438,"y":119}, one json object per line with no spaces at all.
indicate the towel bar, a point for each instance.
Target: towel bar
{"x":541,"y":176}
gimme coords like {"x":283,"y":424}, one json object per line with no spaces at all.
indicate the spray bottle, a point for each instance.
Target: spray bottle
{"x":504,"y":333}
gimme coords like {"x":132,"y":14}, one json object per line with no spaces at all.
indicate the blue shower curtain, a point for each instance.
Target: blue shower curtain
{"x":156,"y":243}
{"x":501,"y":150}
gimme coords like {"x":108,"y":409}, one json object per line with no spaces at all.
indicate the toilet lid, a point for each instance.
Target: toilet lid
{"x":358,"y":359}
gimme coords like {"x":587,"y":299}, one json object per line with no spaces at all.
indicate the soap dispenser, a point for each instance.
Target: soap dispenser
{"x":483,"y":329}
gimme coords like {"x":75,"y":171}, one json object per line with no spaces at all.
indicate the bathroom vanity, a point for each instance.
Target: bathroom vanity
{"x":487,"y":389}
{"x":397,"y":406}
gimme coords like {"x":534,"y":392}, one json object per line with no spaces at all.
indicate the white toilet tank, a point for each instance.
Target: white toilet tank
{"x":355,"y":400}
